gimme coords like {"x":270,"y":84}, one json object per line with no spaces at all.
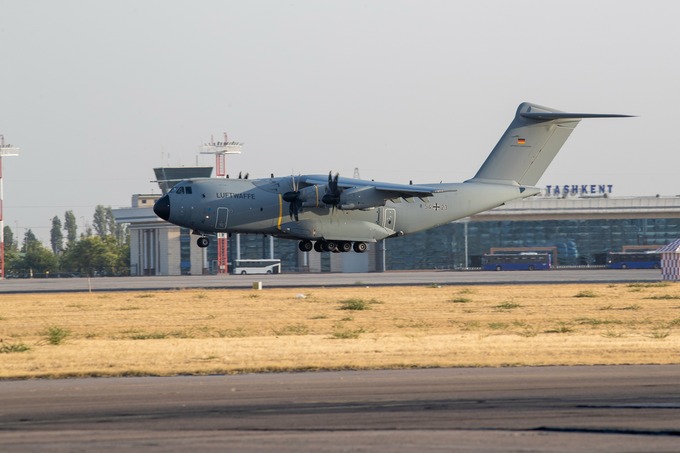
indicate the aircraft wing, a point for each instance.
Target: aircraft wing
{"x":389,"y":190}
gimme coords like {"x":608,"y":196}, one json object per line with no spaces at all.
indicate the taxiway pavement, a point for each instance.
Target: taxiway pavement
{"x":326,"y":279}
{"x":547,"y":409}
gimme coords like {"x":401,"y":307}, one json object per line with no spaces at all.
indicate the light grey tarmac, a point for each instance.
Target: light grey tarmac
{"x":546,"y":409}
{"x":330,"y":280}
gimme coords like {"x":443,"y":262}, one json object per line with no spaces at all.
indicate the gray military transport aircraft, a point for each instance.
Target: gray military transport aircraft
{"x":336,"y":214}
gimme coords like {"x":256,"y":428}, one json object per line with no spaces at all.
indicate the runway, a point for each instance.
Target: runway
{"x":619,"y":408}
{"x":329,"y":280}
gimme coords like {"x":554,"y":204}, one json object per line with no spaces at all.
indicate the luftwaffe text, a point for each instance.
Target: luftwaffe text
{"x":247,"y":196}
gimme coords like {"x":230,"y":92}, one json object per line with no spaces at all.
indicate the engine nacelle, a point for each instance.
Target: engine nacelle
{"x":311,"y":196}
{"x":361,"y":198}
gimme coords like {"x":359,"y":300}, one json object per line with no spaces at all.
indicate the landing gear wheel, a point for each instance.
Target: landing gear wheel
{"x":344,"y":246}
{"x":360,"y":247}
{"x":330,"y":246}
{"x":305,"y":246}
{"x":202,"y":242}
{"x":318,"y":246}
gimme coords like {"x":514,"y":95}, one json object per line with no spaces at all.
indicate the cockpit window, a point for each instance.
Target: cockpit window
{"x":181,"y":190}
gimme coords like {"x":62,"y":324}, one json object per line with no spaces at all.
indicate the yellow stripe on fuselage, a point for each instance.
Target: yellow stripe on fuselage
{"x":278,"y":224}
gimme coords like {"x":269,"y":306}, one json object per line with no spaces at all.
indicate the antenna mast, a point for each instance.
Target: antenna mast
{"x":220,"y":150}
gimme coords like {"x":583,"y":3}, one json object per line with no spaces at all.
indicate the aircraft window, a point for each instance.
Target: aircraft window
{"x":188,"y":190}
{"x":180,"y":190}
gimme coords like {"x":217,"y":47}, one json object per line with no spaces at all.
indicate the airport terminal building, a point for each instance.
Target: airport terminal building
{"x":580,"y":225}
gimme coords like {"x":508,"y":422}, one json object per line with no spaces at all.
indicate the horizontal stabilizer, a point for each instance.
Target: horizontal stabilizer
{"x":560,"y":115}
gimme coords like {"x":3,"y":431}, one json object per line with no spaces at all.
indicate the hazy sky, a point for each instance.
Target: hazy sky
{"x":96,"y":94}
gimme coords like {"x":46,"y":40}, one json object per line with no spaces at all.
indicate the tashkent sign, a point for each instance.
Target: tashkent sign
{"x":579,"y":189}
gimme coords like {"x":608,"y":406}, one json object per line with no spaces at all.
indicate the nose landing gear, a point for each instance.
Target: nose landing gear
{"x":203,"y":242}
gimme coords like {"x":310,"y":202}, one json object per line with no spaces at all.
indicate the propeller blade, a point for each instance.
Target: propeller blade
{"x":293,"y":199}
{"x":332,"y":196}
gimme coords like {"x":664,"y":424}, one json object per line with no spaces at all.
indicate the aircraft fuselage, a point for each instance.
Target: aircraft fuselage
{"x":257,"y":206}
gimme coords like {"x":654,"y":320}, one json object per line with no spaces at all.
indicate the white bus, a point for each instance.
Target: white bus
{"x":262,"y":266}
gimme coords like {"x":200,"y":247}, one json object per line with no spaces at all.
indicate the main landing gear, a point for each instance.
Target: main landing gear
{"x":332,"y":246}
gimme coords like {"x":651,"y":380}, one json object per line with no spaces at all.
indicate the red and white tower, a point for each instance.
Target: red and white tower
{"x":220,"y":150}
{"x":5,"y":151}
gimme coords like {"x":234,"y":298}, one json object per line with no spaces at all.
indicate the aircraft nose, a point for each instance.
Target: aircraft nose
{"x":162,"y":207}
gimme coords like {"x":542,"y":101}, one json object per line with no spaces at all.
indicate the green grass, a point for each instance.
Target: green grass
{"x":460,"y":300}
{"x":150,"y":336}
{"x":292,"y":329}
{"x":357,"y":304}
{"x":561,"y":328}
{"x":648,"y":285}
{"x":597,"y":322}
{"x":507,"y":305}
{"x":586,"y":293}
{"x":159,"y":335}
{"x":660,"y":333}
{"x":346,"y":334}
{"x":14,"y":347}
{"x":55,"y":335}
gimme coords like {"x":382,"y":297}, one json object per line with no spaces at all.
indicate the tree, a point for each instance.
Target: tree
{"x":29,"y":241}
{"x":11,"y":250}
{"x":71,"y":227}
{"x":9,"y":239}
{"x":56,"y":236}
{"x":100,"y":221}
{"x":117,"y":230}
{"x":94,"y":255}
{"x":37,"y":258}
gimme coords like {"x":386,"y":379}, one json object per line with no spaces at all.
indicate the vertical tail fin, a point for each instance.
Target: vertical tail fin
{"x":530,"y":143}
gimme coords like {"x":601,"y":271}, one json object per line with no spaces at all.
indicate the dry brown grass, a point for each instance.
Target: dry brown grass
{"x":227,"y":331}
